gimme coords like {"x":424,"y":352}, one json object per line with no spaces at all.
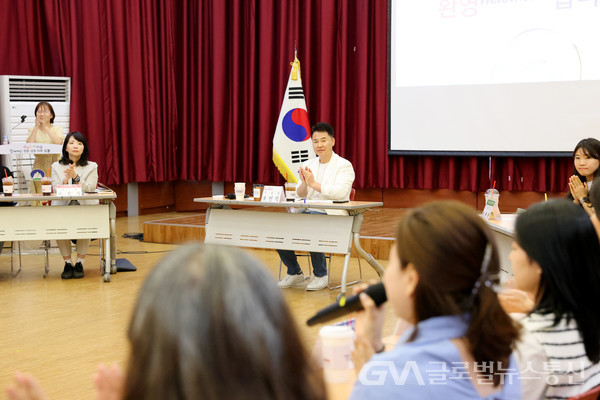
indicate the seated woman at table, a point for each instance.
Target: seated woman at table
{"x":74,"y":168}
{"x":441,"y":276}
{"x":555,"y":261}
{"x":586,"y":160}
{"x":46,"y":132}
{"x":209,"y":323}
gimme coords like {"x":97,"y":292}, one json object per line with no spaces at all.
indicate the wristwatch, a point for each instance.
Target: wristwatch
{"x":77,"y":179}
{"x":586,"y":200}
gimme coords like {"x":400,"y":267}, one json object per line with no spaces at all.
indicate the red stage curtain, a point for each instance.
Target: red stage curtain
{"x":192,"y":89}
{"x":119,"y":55}
{"x":532,"y":174}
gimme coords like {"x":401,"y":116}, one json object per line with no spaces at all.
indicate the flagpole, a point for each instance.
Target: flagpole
{"x":291,"y":143}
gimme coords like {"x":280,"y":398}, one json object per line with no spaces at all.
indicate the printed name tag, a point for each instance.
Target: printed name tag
{"x":273,"y":194}
{"x":69,"y":190}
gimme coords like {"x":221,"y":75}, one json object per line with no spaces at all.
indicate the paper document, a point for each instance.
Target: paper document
{"x":314,"y":201}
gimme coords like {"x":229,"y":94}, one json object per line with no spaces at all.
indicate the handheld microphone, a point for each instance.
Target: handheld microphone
{"x":376,"y":292}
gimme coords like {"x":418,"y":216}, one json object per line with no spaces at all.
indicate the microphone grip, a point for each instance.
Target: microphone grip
{"x":376,"y":292}
{"x":334,"y":311}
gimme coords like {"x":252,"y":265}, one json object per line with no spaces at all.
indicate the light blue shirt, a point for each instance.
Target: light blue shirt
{"x":429,"y":367}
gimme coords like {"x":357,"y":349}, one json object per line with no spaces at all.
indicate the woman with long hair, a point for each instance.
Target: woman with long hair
{"x":210,"y":323}
{"x":586,"y":160}
{"x":441,"y":276}
{"x":555,"y":261}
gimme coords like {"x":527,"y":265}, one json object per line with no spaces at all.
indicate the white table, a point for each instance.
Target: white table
{"x":289,"y":231}
{"x":504,"y":233}
{"x":62,"y":222}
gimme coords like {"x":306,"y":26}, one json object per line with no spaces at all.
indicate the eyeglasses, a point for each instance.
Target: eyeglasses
{"x":43,"y":111}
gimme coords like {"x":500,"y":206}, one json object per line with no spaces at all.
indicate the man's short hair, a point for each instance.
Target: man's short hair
{"x":322,"y":127}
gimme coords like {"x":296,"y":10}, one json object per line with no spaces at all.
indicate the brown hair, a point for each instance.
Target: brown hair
{"x":446,"y":242}
{"x":210,"y":323}
{"x":47,"y":105}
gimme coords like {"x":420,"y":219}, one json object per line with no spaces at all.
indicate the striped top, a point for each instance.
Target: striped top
{"x":552,"y":359}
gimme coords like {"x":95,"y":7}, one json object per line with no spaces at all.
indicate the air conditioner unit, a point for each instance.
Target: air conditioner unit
{"x":18,"y":96}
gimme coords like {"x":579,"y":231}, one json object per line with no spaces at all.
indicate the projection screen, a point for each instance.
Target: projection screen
{"x":493,"y":77}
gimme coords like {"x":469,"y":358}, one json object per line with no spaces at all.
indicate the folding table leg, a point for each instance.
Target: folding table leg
{"x":12,"y":248}
{"x":46,"y":260}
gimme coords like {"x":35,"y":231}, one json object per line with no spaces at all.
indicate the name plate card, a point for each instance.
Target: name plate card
{"x":273,"y":194}
{"x":69,"y":190}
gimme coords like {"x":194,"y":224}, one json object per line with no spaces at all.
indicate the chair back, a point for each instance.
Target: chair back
{"x":592,"y":394}
{"x":352,"y":194}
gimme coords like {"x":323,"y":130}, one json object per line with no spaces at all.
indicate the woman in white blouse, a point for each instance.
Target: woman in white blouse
{"x":74,"y":168}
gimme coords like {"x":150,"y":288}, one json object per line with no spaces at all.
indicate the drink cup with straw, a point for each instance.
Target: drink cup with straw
{"x":7,"y":184}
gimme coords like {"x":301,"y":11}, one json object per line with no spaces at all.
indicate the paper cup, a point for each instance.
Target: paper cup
{"x":240,"y":190}
{"x":337,"y":345}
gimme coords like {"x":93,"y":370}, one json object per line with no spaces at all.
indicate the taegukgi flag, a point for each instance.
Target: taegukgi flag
{"x":291,"y":143}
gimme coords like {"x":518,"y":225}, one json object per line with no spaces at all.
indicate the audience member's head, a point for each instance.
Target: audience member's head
{"x":211,"y":323}
{"x":556,"y":258}
{"x":447,"y":264}
{"x":44,"y":106}
{"x":586,"y":149}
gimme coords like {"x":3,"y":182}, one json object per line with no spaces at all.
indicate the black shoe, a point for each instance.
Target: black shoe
{"x":78,"y":272}
{"x":68,"y":271}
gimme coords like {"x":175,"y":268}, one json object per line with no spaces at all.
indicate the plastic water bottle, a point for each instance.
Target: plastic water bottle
{"x":5,"y":141}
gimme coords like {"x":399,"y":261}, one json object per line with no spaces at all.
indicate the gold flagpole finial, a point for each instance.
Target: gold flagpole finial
{"x":295,"y":68}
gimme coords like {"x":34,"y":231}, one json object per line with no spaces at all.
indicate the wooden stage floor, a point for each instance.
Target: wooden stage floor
{"x":376,"y":236}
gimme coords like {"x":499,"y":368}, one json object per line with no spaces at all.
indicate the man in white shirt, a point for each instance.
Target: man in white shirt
{"x":327,"y":177}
